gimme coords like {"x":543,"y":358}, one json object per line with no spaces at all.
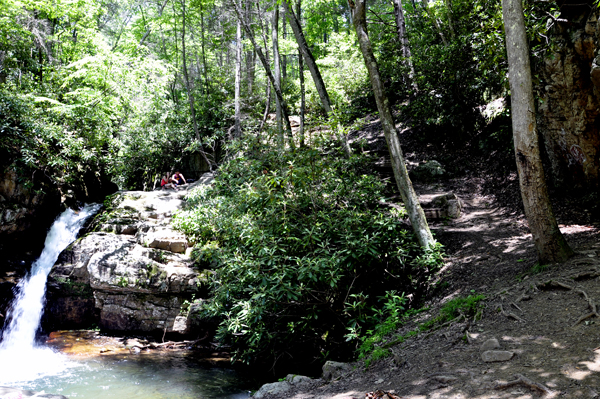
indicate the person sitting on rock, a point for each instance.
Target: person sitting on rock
{"x":178,"y":178}
{"x":167,"y":183}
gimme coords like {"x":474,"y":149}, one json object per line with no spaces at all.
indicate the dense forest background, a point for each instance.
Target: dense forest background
{"x":94,"y":92}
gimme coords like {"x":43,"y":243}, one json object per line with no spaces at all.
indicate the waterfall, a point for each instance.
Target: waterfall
{"x":25,"y":312}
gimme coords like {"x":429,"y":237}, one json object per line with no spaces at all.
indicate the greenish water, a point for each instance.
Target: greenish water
{"x":148,"y":376}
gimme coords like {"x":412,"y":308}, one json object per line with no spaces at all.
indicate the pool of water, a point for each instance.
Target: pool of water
{"x":88,"y":366}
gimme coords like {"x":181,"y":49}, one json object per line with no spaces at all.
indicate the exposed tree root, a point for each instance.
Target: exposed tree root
{"x":510,"y":314}
{"x":585,"y":275}
{"x":521,"y":380}
{"x":592,"y":306}
{"x":590,"y":301}
{"x":515,"y":305}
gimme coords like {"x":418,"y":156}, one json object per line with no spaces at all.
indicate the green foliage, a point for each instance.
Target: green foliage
{"x":300,"y":242}
{"x":375,"y":343}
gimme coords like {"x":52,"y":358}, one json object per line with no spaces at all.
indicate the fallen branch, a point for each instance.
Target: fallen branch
{"x":521,"y":380}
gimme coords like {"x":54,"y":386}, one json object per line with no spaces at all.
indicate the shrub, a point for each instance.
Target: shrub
{"x":300,"y":243}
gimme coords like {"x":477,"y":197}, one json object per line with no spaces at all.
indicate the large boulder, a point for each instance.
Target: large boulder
{"x":133,"y":274}
{"x":569,"y":91}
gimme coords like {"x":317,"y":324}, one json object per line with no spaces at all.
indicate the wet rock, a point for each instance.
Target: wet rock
{"x":274,"y":388}
{"x":124,"y":282}
{"x":490,"y":344}
{"x":334,"y":370}
{"x":15,"y":393}
{"x":496,"y":356}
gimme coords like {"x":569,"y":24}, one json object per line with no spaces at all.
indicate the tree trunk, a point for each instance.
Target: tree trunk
{"x":308,"y":57}
{"x":403,"y":37}
{"x":238,"y":80}
{"x":314,"y":70}
{"x":550,"y":244}
{"x":277,"y":71}
{"x":188,"y":89}
{"x":284,"y":61}
{"x":450,"y":19}
{"x":436,"y":24}
{"x":204,"y":50}
{"x":301,"y":76}
{"x":267,"y":67}
{"x":411,"y":202}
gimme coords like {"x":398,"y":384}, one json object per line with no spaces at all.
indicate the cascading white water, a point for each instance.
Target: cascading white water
{"x":18,"y":347}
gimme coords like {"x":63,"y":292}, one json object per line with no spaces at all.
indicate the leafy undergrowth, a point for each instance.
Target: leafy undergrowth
{"x":375,"y":343}
{"x":307,"y":255}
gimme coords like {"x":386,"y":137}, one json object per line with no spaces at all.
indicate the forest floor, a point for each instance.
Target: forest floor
{"x":544,"y":319}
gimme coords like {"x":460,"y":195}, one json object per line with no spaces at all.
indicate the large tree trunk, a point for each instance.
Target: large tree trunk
{"x":238,"y":80}
{"x":549,"y":242}
{"x":266,"y":66}
{"x":411,"y":202}
{"x":188,"y":88}
{"x":403,"y":37}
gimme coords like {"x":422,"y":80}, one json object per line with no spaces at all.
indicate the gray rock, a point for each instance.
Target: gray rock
{"x":273,"y":388}
{"x":295,"y":379}
{"x":496,"y":356}
{"x":125,"y":282}
{"x":490,"y":344}
{"x":428,"y":171}
{"x":334,"y":370}
{"x":8,"y":393}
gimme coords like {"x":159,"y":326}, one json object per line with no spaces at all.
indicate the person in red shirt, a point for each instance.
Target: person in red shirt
{"x":167,"y":183}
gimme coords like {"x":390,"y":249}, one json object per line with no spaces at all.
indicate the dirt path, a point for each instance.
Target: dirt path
{"x":536,"y":320}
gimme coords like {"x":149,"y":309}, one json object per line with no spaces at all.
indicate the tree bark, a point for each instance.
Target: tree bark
{"x":206,"y":83}
{"x":238,"y":80}
{"x":411,"y":202}
{"x":301,"y":75}
{"x":549,"y":242}
{"x":188,"y":89}
{"x":266,"y":66}
{"x":314,"y":70}
{"x":436,"y":24}
{"x":277,"y":71}
{"x":403,"y":37}
{"x":308,"y":58}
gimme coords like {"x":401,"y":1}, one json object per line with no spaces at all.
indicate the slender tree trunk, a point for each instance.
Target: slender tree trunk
{"x":411,"y":202}
{"x":267,"y":108}
{"x":206,"y":83}
{"x":403,"y":37}
{"x":450,"y":18}
{"x":238,"y":80}
{"x":188,"y":88}
{"x":314,"y":70}
{"x":301,"y":76}
{"x":549,"y":242}
{"x":267,"y":67}
{"x":308,"y":57}
{"x":250,"y":55}
{"x":436,"y":24}
{"x":284,"y":57}
{"x":277,"y":71}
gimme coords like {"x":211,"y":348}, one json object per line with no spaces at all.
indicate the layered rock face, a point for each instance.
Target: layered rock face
{"x":26,"y":212}
{"x":569,"y":106}
{"x":133,"y":274}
